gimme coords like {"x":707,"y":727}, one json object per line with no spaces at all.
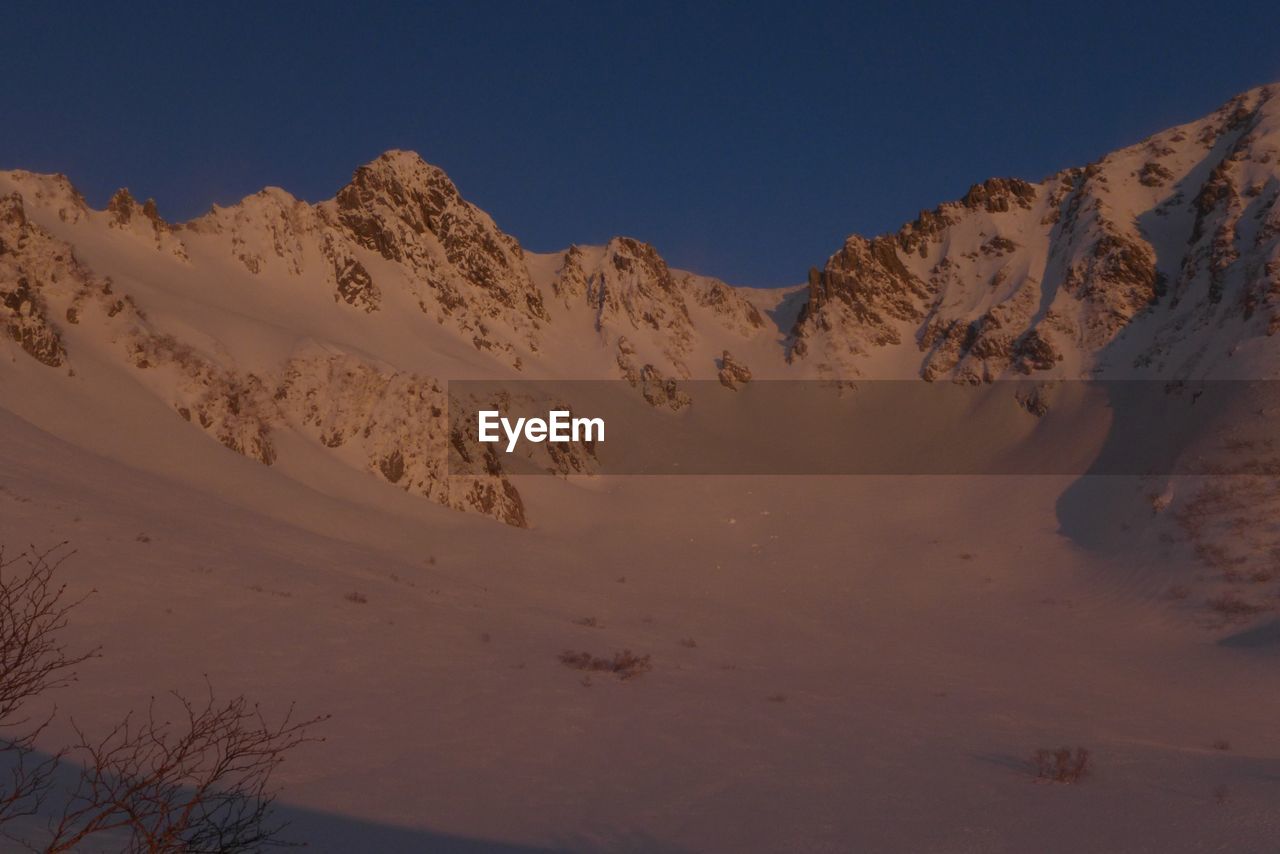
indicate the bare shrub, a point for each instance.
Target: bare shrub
{"x":689,"y":643}
{"x":201,"y":783}
{"x":1222,"y":744}
{"x":357,"y":597}
{"x":1062,"y":765}
{"x":33,"y":610}
{"x":258,"y":588}
{"x":625,"y":665}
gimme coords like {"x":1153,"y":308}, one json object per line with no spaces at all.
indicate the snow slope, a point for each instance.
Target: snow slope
{"x":874,"y":661}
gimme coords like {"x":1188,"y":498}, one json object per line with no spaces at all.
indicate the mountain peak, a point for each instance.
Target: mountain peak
{"x":410,"y":213}
{"x":400,"y":178}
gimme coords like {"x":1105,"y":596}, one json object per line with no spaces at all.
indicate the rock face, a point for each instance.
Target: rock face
{"x":394,"y":423}
{"x":27,"y":323}
{"x":27,"y":258}
{"x":265,"y":232}
{"x":338,"y":323}
{"x":461,"y":266}
{"x":857,"y":302}
{"x":632,"y":288}
{"x":639,"y":305}
{"x":230,"y":405}
{"x":1173,"y":234}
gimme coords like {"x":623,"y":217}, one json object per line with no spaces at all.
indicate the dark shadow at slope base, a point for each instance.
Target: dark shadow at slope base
{"x":336,"y":834}
{"x":1104,"y":513}
{"x":317,"y":831}
{"x":1166,"y":429}
{"x":1263,"y":638}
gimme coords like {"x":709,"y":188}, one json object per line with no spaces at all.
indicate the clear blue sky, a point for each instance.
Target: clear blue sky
{"x":744,"y":140}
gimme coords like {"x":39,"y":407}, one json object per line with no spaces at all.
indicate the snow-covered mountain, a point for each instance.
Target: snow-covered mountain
{"x":1161,"y":257}
{"x":240,"y":424}
{"x":335,"y":326}
{"x":338,"y":323}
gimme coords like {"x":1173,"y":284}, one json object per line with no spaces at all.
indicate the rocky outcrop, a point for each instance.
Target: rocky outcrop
{"x":570,"y":283}
{"x":864,"y":285}
{"x":24,"y":313}
{"x":1154,"y":174}
{"x":231,"y":406}
{"x":728,"y":305}
{"x":654,"y":386}
{"x":632,"y":295}
{"x":395,"y":424}
{"x":632,"y":288}
{"x":862,"y":299}
{"x":54,"y":193}
{"x":354,"y":284}
{"x":267,"y":232}
{"x":733,"y":373}
{"x":999,"y":195}
{"x":125,"y":214}
{"x":1115,"y":281}
{"x":26,"y":321}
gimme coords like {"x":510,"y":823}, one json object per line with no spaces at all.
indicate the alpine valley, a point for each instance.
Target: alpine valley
{"x":241,"y":420}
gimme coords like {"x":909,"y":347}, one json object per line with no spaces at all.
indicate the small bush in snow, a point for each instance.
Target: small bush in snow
{"x":625,"y":665}
{"x":1062,"y":765}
